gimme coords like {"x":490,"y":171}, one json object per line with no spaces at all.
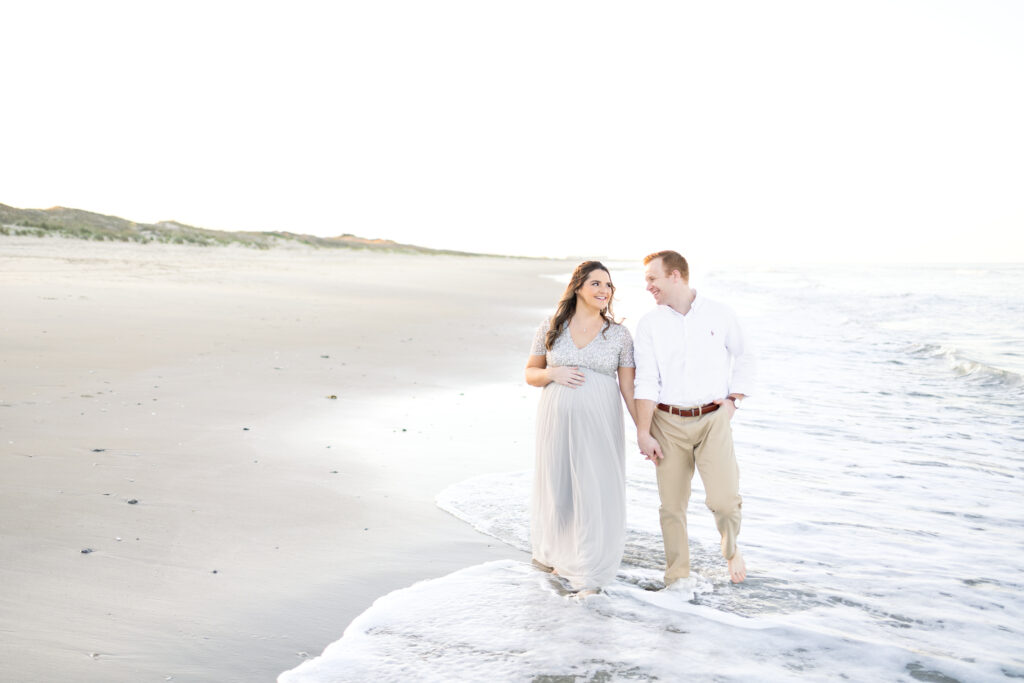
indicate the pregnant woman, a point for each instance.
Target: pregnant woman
{"x":584,"y":360}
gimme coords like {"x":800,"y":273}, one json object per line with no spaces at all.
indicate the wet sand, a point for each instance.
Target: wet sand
{"x":210,"y":459}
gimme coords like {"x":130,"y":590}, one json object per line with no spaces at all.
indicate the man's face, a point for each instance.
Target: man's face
{"x":659,"y":283}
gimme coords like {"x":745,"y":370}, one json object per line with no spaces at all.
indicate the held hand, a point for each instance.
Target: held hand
{"x":649,"y":447}
{"x":566,"y":375}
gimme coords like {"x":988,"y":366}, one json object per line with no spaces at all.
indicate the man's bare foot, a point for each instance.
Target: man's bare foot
{"x":737,"y":567}
{"x":587,"y":592}
{"x":684,"y":586}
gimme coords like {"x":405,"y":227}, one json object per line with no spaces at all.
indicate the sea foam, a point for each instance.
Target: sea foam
{"x":506,"y":621}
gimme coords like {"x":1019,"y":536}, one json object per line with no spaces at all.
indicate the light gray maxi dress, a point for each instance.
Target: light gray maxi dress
{"x":578,"y":508}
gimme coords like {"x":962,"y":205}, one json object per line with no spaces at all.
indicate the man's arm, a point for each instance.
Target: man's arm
{"x":744,"y":361}
{"x":649,"y":446}
{"x":648,"y":385}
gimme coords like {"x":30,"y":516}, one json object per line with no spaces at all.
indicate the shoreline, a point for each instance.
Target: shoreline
{"x":195,"y":382}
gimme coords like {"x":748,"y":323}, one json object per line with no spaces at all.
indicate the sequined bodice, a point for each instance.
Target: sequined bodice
{"x":610,"y":349}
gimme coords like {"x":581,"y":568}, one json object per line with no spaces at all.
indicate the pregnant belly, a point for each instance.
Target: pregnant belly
{"x":598,"y":392}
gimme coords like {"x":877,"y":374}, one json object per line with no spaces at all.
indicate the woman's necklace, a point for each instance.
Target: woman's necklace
{"x":583,"y":327}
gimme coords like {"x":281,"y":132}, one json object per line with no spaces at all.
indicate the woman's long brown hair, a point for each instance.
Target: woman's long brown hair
{"x":567,"y":305}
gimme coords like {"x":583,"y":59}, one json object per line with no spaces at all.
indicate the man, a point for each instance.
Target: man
{"x":693,"y":368}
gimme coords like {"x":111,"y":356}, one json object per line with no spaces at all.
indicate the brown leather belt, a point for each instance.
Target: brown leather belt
{"x":689,"y":412}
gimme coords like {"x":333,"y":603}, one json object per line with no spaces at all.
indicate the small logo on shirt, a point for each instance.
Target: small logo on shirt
{"x":712,"y":333}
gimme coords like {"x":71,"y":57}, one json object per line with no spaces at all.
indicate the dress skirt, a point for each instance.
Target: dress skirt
{"x":578,"y":508}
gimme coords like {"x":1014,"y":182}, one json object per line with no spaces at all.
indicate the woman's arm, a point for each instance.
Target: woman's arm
{"x":626,"y":376}
{"x":537,"y":371}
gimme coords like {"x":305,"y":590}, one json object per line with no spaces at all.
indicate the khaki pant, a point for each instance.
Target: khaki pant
{"x":707,"y":442}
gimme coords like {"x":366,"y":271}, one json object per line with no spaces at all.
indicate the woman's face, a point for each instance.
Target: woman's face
{"x":596,"y":290}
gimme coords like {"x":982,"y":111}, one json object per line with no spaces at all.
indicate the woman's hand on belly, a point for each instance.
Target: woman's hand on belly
{"x":566,"y":375}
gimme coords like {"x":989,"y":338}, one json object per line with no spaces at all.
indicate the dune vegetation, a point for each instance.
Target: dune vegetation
{"x":76,"y":223}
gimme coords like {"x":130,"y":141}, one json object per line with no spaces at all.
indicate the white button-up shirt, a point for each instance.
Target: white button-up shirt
{"x":693,"y":359}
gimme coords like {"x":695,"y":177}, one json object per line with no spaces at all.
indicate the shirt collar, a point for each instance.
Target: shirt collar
{"x":696,"y":304}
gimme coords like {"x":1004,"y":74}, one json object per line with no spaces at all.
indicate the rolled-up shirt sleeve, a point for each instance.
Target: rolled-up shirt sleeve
{"x":744,"y":360}
{"x":648,"y":382}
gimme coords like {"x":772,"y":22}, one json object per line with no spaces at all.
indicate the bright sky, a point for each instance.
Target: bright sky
{"x":864,"y":130}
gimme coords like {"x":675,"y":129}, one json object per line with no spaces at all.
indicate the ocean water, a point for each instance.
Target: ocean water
{"x":882,"y":470}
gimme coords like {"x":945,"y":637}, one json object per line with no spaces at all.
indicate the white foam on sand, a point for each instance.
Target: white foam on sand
{"x":507,"y":621}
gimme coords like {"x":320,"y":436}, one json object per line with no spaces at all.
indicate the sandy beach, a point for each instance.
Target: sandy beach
{"x":211,"y":459}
